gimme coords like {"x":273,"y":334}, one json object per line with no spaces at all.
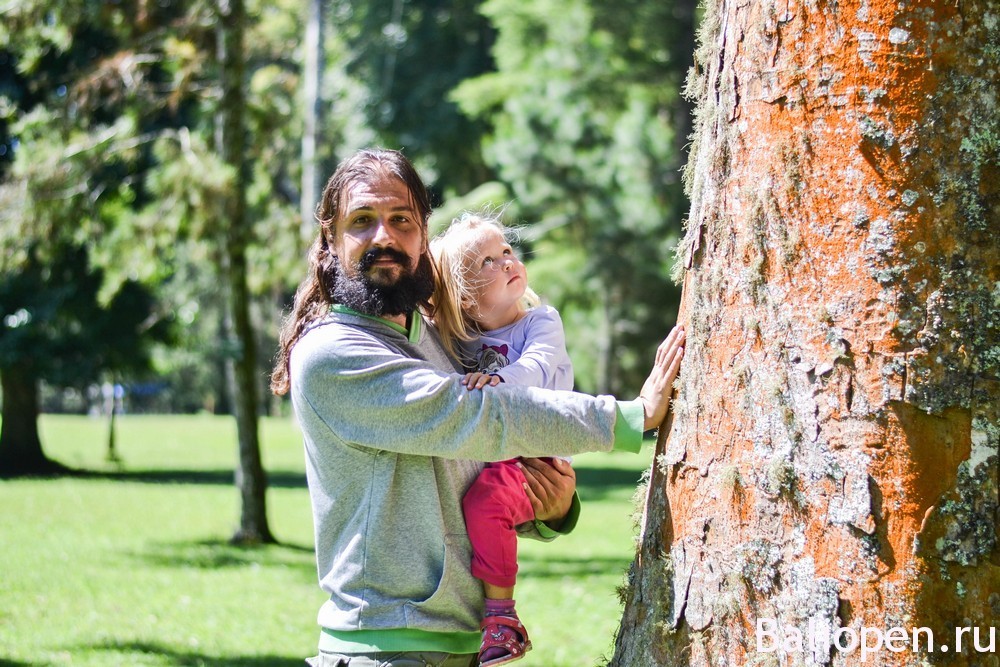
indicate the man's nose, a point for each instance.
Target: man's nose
{"x":380,"y":234}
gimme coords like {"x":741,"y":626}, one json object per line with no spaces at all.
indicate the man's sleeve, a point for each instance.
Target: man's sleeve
{"x":628,"y":438}
{"x":539,"y":530}
{"x":369,"y":396}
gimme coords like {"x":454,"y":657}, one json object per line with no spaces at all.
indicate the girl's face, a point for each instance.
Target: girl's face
{"x":497,"y":278}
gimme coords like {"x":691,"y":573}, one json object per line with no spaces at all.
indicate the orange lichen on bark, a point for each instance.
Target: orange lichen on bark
{"x":818,"y":242}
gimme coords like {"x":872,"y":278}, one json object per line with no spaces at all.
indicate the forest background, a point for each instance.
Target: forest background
{"x":160,"y":163}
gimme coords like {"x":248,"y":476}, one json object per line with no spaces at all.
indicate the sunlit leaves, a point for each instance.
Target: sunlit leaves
{"x":582,"y":114}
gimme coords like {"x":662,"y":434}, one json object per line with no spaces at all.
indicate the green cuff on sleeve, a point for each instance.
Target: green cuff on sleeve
{"x":569,"y":523}
{"x":628,"y":426}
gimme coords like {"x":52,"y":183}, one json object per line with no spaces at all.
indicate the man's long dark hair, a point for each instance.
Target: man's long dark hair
{"x":316,"y":293}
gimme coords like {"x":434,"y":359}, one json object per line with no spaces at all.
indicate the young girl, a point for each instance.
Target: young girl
{"x":490,"y":319}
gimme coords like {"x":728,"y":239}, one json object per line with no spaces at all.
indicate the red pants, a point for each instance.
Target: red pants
{"x":493,"y":506}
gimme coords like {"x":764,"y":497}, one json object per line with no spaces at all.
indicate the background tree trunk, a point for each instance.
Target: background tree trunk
{"x":20,"y":447}
{"x":111,"y":405}
{"x":832,"y":461}
{"x":231,"y":142}
{"x":312,"y":107}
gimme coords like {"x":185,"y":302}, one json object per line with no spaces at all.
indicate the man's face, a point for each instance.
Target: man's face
{"x":379,"y":216}
{"x":381,"y":247}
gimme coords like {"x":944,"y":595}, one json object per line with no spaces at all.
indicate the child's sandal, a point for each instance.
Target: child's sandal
{"x":503,"y":632}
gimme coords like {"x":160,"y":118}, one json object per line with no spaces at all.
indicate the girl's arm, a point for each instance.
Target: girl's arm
{"x":544,"y":361}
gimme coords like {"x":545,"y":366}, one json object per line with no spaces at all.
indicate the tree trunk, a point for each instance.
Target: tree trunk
{"x":221,"y":362}
{"x":20,"y":447}
{"x":112,"y":454}
{"x":312,"y":77}
{"x":831,"y":468}
{"x":231,"y":142}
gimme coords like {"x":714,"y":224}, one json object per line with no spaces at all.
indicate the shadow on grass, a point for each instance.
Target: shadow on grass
{"x":593,"y":483}
{"x":279,"y":479}
{"x":179,"y":657}
{"x":217,"y":554}
{"x":598,"y":483}
{"x":16,"y":663}
{"x":545,"y":567}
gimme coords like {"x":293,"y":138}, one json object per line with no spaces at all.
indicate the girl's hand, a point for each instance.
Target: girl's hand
{"x":479,"y":380}
{"x":655,"y":393}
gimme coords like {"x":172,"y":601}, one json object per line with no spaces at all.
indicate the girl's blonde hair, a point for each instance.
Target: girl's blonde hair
{"x":454,"y":293}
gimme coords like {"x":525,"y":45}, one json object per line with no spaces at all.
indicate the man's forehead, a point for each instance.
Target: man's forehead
{"x":381,"y":191}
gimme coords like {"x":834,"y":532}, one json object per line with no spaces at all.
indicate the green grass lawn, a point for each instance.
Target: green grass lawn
{"x":131,"y":566}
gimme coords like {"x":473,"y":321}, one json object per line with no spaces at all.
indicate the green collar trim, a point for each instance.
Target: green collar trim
{"x":413,"y":334}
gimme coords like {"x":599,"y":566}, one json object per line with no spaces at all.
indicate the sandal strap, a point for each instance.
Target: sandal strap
{"x":504,"y":621}
{"x":506,"y":633}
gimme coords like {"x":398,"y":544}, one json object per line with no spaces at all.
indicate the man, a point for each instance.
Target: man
{"x":393,"y":439}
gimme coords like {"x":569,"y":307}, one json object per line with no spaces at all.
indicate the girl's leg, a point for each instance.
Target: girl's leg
{"x":497,"y":592}
{"x":493,"y":507}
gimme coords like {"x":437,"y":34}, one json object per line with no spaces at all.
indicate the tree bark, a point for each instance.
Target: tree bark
{"x":231,"y":141}
{"x":832,"y":463}
{"x":20,"y":447}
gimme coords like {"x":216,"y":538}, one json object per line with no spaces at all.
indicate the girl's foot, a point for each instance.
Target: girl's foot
{"x":504,"y":640}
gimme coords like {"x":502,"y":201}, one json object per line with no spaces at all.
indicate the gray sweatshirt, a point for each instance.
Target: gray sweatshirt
{"x":392,"y":442}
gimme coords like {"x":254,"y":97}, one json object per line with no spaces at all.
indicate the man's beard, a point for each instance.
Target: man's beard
{"x":361,"y":293}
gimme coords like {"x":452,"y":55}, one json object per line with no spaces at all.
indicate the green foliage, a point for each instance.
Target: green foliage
{"x":408,"y":55}
{"x":491,"y":195}
{"x":107,"y":115}
{"x":107,"y":121}
{"x":585,"y":107}
{"x":54,"y":322}
{"x":81,"y":101}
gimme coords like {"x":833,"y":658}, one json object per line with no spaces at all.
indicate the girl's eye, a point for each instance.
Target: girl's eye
{"x":488,"y":261}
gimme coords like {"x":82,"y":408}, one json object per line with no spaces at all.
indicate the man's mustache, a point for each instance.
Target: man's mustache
{"x":375,"y":254}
